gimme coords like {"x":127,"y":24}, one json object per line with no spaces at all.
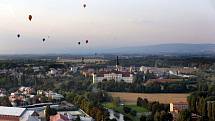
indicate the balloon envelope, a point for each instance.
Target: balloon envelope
{"x":30,"y":17}
{"x":84,"y":5}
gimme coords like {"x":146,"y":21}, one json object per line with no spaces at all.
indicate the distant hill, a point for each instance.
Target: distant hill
{"x":168,"y":49}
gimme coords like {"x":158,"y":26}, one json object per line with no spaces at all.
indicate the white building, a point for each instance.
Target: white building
{"x":17,"y":114}
{"x":74,"y":69}
{"x":36,"y":69}
{"x":177,"y":107}
{"x":54,"y":96}
{"x":52,"y":71}
{"x":118,"y":76}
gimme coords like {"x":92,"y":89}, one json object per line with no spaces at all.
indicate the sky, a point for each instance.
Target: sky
{"x":105,"y":23}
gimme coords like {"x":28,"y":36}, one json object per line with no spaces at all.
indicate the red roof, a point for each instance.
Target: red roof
{"x":59,"y":117}
{"x":180,"y":103}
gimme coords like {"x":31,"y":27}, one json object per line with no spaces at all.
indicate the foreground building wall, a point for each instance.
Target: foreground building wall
{"x":8,"y":118}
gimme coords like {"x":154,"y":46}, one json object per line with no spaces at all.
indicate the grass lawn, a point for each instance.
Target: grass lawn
{"x":137,"y":108}
{"x":120,"y":110}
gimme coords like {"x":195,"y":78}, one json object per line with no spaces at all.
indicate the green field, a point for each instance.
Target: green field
{"x":120,"y":108}
{"x":139,"y":110}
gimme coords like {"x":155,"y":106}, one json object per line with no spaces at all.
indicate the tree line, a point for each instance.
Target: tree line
{"x":202,"y":103}
{"x":153,"y":87}
{"x":159,"y":112}
{"x":87,"y":103}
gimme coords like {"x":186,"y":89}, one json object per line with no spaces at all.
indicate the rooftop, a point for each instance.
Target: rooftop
{"x":124,"y":74}
{"x":12,"y":111}
{"x":180,"y":103}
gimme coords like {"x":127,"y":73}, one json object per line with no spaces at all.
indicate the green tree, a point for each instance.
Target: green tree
{"x":157,"y":116}
{"x":116,"y":101}
{"x":126,"y":118}
{"x":49,"y":112}
{"x":133,"y":113}
{"x":70,"y":96}
{"x":139,"y":101}
{"x":127,"y":110}
{"x":192,"y":102}
{"x":4,"y":101}
{"x":143,"y":118}
{"x":184,"y":116}
{"x":164,"y":116}
{"x":213,"y":111}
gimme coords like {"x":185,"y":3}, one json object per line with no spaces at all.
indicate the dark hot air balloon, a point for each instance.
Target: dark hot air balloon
{"x":30,"y":17}
{"x":79,"y":43}
{"x":44,"y":39}
{"x":87,"y":41}
{"x":18,"y":35}
{"x":84,"y":5}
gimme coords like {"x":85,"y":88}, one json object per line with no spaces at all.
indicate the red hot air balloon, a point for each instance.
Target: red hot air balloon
{"x":30,"y":17}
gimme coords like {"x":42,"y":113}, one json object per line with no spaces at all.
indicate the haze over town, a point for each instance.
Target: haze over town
{"x":106,"y":24}
{"x":107,"y":60}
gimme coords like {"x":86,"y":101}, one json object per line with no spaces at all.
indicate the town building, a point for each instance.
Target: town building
{"x":74,"y":69}
{"x":53,"y":95}
{"x":117,"y":76}
{"x":177,"y":107}
{"x":88,"y":72}
{"x":17,"y":114}
{"x":59,"y":117}
{"x":2,"y":92}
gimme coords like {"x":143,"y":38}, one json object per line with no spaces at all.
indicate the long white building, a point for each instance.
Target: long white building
{"x":17,"y":114}
{"x":117,"y":76}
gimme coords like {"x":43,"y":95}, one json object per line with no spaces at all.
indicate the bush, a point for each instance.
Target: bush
{"x":134,"y":113}
{"x":126,"y":110}
{"x":126,"y":118}
{"x":143,"y":118}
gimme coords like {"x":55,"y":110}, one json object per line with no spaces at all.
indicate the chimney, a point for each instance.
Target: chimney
{"x":117,"y":63}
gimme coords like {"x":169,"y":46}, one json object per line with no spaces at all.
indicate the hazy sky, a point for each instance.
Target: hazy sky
{"x":105,"y":23}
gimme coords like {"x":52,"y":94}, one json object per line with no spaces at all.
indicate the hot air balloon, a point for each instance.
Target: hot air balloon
{"x":87,"y":41}
{"x":44,"y":39}
{"x":84,"y":5}
{"x":30,"y":17}
{"x":18,"y":35}
{"x":79,"y":43}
